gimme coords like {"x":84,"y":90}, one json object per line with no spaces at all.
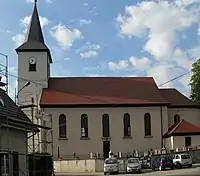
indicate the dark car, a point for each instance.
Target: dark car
{"x":162,"y":162}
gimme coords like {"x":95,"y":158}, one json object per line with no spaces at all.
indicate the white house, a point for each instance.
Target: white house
{"x":14,"y":129}
{"x":100,"y":114}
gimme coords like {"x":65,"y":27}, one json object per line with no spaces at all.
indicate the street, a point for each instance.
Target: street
{"x":195,"y":171}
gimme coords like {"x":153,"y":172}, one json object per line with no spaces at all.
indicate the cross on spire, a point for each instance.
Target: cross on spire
{"x":35,"y":1}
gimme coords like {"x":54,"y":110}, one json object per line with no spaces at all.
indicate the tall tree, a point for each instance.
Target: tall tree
{"x":195,"y":82}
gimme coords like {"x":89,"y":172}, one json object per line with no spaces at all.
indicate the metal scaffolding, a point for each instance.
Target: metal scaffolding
{"x":42,"y":142}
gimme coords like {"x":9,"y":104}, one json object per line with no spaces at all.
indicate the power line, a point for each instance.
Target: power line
{"x":171,"y":80}
{"x":175,"y":78}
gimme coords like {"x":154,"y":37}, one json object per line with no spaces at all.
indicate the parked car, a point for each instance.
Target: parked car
{"x":133,"y":165}
{"x":111,"y":166}
{"x":181,"y":160}
{"x":162,"y":162}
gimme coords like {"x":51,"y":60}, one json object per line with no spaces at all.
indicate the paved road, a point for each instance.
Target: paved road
{"x":195,"y":171}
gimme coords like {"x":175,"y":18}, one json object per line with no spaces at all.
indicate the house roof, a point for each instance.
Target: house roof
{"x":34,"y":37}
{"x":101,"y":90}
{"x":176,"y":98}
{"x":12,"y":114}
{"x":182,"y":128}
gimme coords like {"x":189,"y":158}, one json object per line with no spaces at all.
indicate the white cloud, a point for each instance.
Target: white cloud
{"x":89,"y":54}
{"x":120,"y":65}
{"x":160,"y":20}
{"x":26,"y":21}
{"x":89,"y":50}
{"x":65,"y":36}
{"x":84,"y":22}
{"x":89,"y":46}
{"x":85,"y":4}
{"x":163,"y":24}
{"x":20,"y":38}
{"x":140,"y":63}
{"x":48,"y":1}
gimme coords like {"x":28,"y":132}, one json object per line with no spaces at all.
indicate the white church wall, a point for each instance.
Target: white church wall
{"x":138,"y":141}
{"x":191,"y":115}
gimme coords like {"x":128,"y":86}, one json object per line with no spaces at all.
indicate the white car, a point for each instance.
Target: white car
{"x":111,"y":166}
{"x":133,"y":165}
{"x":181,"y":160}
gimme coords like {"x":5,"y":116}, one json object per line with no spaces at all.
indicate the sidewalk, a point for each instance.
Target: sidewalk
{"x":101,"y":173}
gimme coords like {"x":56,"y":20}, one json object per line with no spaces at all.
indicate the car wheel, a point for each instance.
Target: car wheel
{"x":104,"y":173}
{"x":190,"y":165}
{"x":139,"y":172}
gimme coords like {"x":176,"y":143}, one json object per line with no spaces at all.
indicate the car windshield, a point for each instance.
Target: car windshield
{"x":166,"y":158}
{"x":110,"y":161}
{"x":132,"y":160}
{"x":185,"y":156}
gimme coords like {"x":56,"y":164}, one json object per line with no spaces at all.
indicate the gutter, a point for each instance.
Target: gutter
{"x":161,"y":121}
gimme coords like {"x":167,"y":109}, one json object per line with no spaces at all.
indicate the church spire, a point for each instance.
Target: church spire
{"x":34,"y":40}
{"x":35,"y":31}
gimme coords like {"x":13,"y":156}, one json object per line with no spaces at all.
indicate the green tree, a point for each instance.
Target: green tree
{"x":195,"y":82}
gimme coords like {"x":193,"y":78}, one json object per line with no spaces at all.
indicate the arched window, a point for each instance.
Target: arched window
{"x":84,"y":125}
{"x":106,"y":125}
{"x":127,"y":125}
{"x":62,"y":126}
{"x":177,"y":118}
{"x":147,"y":124}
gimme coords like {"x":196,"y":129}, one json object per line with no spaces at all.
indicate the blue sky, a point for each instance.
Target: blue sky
{"x":109,"y":38}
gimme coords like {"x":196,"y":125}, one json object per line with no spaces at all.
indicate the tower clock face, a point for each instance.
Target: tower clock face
{"x":32,"y":60}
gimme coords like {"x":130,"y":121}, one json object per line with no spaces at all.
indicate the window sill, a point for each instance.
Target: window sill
{"x":84,"y":138}
{"x":148,"y":136}
{"x":127,"y":137}
{"x":106,"y":138}
{"x":62,"y":139}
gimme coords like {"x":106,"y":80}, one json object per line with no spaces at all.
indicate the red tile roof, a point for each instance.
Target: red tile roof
{"x":176,"y":98}
{"x":182,"y":128}
{"x":101,"y":90}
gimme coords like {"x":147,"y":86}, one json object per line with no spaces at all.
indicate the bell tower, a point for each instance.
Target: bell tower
{"x":34,"y":59}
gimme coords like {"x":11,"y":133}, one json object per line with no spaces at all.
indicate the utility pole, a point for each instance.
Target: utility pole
{"x":33,"y":136}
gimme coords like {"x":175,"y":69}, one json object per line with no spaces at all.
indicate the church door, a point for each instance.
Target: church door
{"x":106,"y":149}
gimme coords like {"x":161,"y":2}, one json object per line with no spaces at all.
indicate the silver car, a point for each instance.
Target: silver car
{"x":133,"y":165}
{"x":111,"y":165}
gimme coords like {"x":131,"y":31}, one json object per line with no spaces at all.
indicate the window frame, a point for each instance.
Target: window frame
{"x":147,"y":124}
{"x":177,"y":118}
{"x":84,"y":126}
{"x":105,"y":125}
{"x":62,"y":126}
{"x":32,"y":67}
{"x":127,"y":125}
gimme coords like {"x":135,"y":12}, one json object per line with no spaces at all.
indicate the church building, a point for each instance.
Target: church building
{"x":99,"y":114}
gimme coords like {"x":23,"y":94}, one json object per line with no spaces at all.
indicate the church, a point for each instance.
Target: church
{"x":99,"y":114}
